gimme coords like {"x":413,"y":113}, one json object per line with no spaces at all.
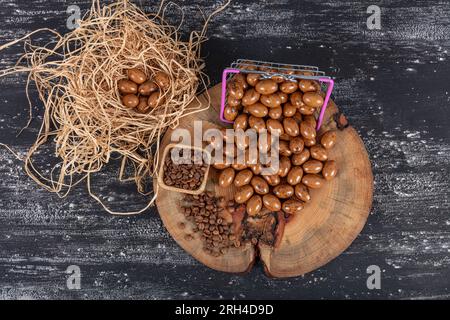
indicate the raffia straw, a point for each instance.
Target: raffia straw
{"x":76,"y":77}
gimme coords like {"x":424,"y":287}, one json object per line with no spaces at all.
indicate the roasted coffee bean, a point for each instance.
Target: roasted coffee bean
{"x":254,"y":205}
{"x":130,"y":101}
{"x":256,"y":168}
{"x":307,"y":131}
{"x":272,"y":180}
{"x":313,"y":166}
{"x":311,"y":120}
{"x":243,"y":177}
{"x":143,"y":106}
{"x":271,"y":100}
{"x":291,"y":127}
{"x":230,"y":113}
{"x":256,"y":123}
{"x":253,"y":78}
{"x":276,"y":113}
{"x":283,"y":96}
{"x":308,"y":85}
{"x":288,"y":87}
{"x":235,"y":90}
{"x":306,"y":110}
{"x":259,"y":185}
{"x":271,"y":202}
{"x":329,"y":170}
{"x":241,"y":80}
{"x":221,"y":166}
{"x":300,"y":158}
{"x":289,"y":110}
{"x":295,"y":176}
{"x":243,"y":194}
{"x":296,"y":99}
{"x":313,"y":99}
{"x":127,"y":87}
{"x":241,"y":122}
{"x":137,"y":76}
{"x":147,"y":88}
{"x":258,"y":110}
{"x":313,"y":181}
{"x":283,"y":191}
{"x":273,"y":124}
{"x":284,"y":149}
{"x":162,"y":79}
{"x":226,"y":177}
{"x":292,"y":206}
{"x":284,"y":166}
{"x":155,"y":100}
{"x":239,"y":166}
{"x":251,"y":96}
{"x":302,"y":192}
{"x":318,"y":153}
{"x":296,"y":145}
{"x":328,"y":140}
{"x":266,"y":86}
{"x":233,"y":102}
{"x":310,"y":142}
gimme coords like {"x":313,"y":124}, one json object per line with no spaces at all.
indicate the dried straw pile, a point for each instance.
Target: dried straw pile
{"x":76,"y":76}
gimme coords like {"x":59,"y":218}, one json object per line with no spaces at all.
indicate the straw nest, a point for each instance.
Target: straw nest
{"x":76,"y":76}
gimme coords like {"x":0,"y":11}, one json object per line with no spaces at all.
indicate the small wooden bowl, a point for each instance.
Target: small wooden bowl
{"x":161,"y":170}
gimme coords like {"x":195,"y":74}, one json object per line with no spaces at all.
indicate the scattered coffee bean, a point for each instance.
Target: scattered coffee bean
{"x":215,"y":232}
{"x":187,"y":176}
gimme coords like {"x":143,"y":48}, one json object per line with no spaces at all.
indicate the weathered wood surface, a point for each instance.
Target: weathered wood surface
{"x":391,"y":83}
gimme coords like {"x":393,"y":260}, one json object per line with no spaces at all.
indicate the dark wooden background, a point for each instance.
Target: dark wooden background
{"x":392,"y":83}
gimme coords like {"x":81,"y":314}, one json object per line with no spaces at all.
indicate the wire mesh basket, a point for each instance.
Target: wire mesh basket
{"x":273,"y":70}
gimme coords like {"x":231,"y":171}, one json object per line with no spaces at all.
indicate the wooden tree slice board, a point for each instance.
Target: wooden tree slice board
{"x":324,"y":229}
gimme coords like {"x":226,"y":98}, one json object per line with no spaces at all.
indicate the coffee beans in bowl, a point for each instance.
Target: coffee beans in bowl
{"x":184,"y":169}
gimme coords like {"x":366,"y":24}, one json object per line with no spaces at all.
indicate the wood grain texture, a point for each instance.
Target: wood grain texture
{"x":324,"y":229}
{"x":391,"y":83}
